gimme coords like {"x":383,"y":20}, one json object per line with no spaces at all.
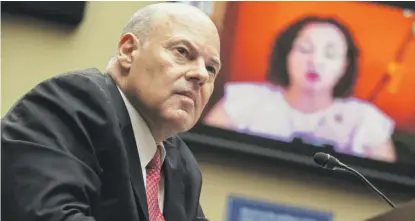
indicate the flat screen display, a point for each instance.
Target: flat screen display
{"x":338,"y":74}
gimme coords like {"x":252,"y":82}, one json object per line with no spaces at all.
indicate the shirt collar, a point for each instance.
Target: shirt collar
{"x":146,"y":145}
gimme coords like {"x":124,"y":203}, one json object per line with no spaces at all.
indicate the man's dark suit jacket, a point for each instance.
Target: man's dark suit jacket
{"x":68,"y":153}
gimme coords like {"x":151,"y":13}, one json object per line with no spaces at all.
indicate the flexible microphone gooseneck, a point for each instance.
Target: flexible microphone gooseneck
{"x":329,"y":162}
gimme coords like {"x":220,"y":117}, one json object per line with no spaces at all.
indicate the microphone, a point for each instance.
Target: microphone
{"x":332,"y":163}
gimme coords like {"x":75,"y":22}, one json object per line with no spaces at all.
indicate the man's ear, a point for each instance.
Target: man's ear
{"x":127,"y":47}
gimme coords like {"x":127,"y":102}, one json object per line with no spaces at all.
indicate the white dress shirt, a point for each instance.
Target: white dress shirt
{"x":146,"y":145}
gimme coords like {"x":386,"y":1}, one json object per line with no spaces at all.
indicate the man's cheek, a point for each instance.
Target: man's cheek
{"x":206,"y":94}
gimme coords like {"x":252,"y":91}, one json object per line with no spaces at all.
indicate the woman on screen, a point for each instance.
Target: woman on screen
{"x":312,"y":72}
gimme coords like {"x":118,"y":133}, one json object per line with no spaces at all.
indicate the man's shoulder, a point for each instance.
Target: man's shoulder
{"x":70,"y":92}
{"x":88,"y":85}
{"x":78,"y":78}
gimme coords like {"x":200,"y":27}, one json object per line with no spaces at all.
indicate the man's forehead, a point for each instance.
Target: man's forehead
{"x":199,"y":32}
{"x":203,"y":39}
{"x":192,"y":29}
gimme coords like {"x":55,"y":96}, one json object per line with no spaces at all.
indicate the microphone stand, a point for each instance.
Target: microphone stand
{"x":343,"y":167}
{"x":332,"y":163}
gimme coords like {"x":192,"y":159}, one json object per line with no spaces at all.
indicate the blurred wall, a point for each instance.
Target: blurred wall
{"x":35,"y":50}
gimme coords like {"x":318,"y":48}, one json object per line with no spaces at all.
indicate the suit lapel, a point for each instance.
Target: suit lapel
{"x":136,"y":174}
{"x":174,"y":207}
{"x":135,"y":169}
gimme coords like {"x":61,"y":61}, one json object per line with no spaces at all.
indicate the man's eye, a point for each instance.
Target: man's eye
{"x":182,"y":51}
{"x":211,"y":69}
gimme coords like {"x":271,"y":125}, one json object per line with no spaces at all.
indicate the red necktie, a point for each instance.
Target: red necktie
{"x":152,"y":188}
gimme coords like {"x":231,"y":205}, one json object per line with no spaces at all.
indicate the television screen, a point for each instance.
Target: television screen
{"x":325,"y":74}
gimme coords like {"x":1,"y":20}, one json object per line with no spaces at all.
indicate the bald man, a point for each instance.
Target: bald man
{"x":90,"y":146}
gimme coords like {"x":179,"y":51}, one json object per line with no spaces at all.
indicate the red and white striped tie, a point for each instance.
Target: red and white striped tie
{"x":152,"y":187}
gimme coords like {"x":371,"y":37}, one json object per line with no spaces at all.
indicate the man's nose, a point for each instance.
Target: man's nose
{"x":199,"y":74}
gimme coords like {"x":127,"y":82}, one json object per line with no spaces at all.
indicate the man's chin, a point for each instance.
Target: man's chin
{"x":181,"y":120}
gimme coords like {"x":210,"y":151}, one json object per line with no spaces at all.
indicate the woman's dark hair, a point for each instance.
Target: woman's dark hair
{"x":278,"y":73}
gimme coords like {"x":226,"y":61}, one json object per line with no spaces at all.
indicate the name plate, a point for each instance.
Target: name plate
{"x":242,"y":209}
